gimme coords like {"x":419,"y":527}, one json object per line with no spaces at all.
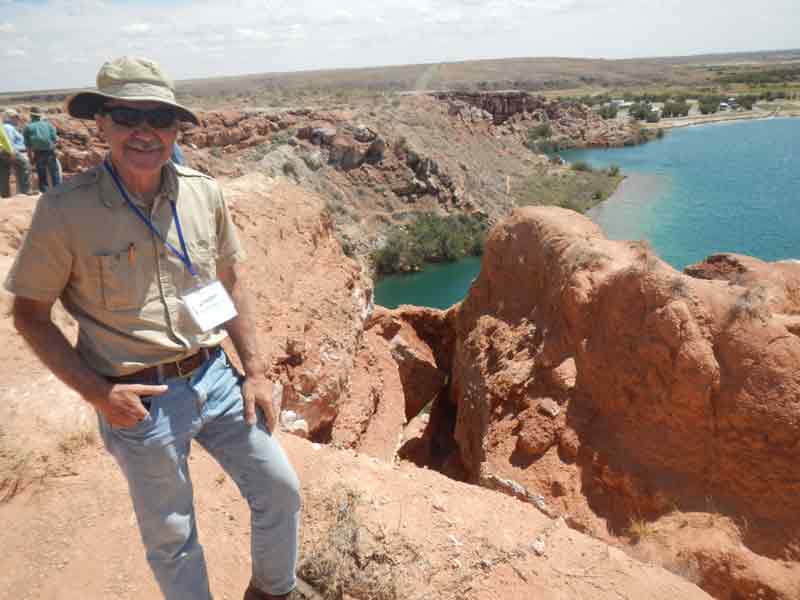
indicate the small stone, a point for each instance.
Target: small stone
{"x":549,"y":407}
{"x":538,"y":546}
{"x":455,"y":541}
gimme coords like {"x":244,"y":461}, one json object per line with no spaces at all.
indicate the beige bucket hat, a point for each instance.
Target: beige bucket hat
{"x":128,"y":78}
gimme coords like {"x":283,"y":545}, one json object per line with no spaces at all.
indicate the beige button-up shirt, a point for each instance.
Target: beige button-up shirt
{"x":121,"y":283}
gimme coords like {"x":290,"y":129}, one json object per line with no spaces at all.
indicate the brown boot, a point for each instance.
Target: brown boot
{"x":303,"y":591}
{"x":253,"y":593}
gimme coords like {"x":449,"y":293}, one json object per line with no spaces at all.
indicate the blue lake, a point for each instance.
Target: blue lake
{"x":732,"y":187}
{"x":438,"y":286}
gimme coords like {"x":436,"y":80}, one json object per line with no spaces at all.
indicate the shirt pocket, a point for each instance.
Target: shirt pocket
{"x":120,"y":282}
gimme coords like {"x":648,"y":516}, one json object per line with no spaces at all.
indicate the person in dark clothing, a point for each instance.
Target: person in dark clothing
{"x":40,"y":139}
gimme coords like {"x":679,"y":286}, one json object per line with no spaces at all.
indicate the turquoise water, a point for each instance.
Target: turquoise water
{"x":732,"y":187}
{"x":438,"y":286}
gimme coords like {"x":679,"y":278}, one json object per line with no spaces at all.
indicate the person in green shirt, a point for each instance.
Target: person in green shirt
{"x":40,"y":138}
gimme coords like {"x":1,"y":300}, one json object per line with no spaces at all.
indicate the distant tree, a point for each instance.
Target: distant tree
{"x":609,"y":111}
{"x":709,"y":104}
{"x":653,"y":117}
{"x":746,"y":101}
{"x":643,"y":111}
{"x":639,"y":111}
{"x":675,"y":108}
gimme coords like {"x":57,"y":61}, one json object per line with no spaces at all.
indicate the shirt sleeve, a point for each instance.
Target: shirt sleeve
{"x":229,"y":249}
{"x":43,"y":264}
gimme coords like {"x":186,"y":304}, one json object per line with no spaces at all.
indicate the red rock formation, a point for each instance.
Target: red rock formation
{"x":572,"y":124}
{"x":593,"y":379}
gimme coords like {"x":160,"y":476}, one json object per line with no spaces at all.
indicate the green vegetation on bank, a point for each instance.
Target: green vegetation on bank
{"x":579,"y":188}
{"x":431,"y":238}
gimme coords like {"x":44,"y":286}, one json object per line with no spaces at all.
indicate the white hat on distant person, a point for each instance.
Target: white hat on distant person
{"x":10,"y":113}
{"x":129,"y":78}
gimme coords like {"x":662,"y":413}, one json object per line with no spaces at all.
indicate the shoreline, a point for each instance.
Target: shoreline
{"x":697,"y":121}
{"x":681,"y":122}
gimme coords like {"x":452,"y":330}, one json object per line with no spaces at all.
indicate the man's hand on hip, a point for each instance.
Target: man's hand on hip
{"x":257,"y":391}
{"x":122,"y":406}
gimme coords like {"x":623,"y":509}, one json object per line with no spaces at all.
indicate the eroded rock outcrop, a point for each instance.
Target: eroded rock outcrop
{"x":592,"y":379}
{"x":572,"y":124}
{"x":312,"y":301}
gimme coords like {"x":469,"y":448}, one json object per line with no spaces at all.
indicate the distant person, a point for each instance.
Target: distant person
{"x":177,"y":155}
{"x":145,"y":256}
{"x":40,"y":138}
{"x":13,"y":156}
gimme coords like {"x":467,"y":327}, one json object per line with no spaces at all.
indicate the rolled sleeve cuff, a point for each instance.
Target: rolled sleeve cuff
{"x":223,"y":262}
{"x":25,"y":291}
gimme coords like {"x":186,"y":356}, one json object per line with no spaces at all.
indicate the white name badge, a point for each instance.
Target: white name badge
{"x":210,"y":306}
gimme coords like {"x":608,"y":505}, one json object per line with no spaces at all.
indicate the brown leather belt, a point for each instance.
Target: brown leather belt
{"x":158,"y":374}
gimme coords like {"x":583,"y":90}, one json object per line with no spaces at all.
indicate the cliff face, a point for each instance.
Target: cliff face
{"x":572,"y":124}
{"x":591,"y":378}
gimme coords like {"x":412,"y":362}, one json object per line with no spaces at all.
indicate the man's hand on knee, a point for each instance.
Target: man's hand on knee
{"x":257,"y":391}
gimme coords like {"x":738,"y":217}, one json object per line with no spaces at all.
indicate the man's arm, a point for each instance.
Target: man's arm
{"x":257,"y":389}
{"x":120,"y":404}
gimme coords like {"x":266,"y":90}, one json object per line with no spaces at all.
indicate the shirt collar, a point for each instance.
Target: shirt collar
{"x":110,"y":196}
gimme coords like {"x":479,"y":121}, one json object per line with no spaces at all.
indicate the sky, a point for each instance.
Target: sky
{"x":49,"y":44}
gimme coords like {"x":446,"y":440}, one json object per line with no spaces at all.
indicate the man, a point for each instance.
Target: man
{"x":144,"y":255}
{"x":14,"y":158}
{"x":40,"y":138}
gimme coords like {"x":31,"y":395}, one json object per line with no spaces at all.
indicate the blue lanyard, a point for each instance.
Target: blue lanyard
{"x":183,"y":253}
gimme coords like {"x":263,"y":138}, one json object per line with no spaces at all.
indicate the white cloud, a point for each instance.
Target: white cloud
{"x":204,"y":38}
{"x":136,"y":28}
{"x":14,"y":53}
{"x":245,"y":33}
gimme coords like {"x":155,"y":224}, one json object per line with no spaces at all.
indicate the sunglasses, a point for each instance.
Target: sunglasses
{"x":157,"y":118}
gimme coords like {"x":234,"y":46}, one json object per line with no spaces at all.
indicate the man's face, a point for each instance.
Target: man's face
{"x":140,"y":150}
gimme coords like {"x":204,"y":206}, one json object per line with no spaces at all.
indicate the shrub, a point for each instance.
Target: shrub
{"x":609,"y":111}
{"x":746,"y":101}
{"x":545,"y":147}
{"x":639,"y":110}
{"x":536,"y":135}
{"x":709,"y":104}
{"x":676,"y":108}
{"x":582,"y":166}
{"x":652,"y":117}
{"x":430,"y":238}
{"x":613,"y":170}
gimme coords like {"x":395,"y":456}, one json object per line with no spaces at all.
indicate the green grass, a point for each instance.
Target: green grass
{"x":575,"y":189}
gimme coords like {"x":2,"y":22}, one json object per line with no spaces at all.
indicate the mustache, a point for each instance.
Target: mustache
{"x":144,"y":146}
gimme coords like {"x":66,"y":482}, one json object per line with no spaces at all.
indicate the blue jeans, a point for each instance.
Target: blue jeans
{"x":46,"y":162}
{"x":154,"y":454}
